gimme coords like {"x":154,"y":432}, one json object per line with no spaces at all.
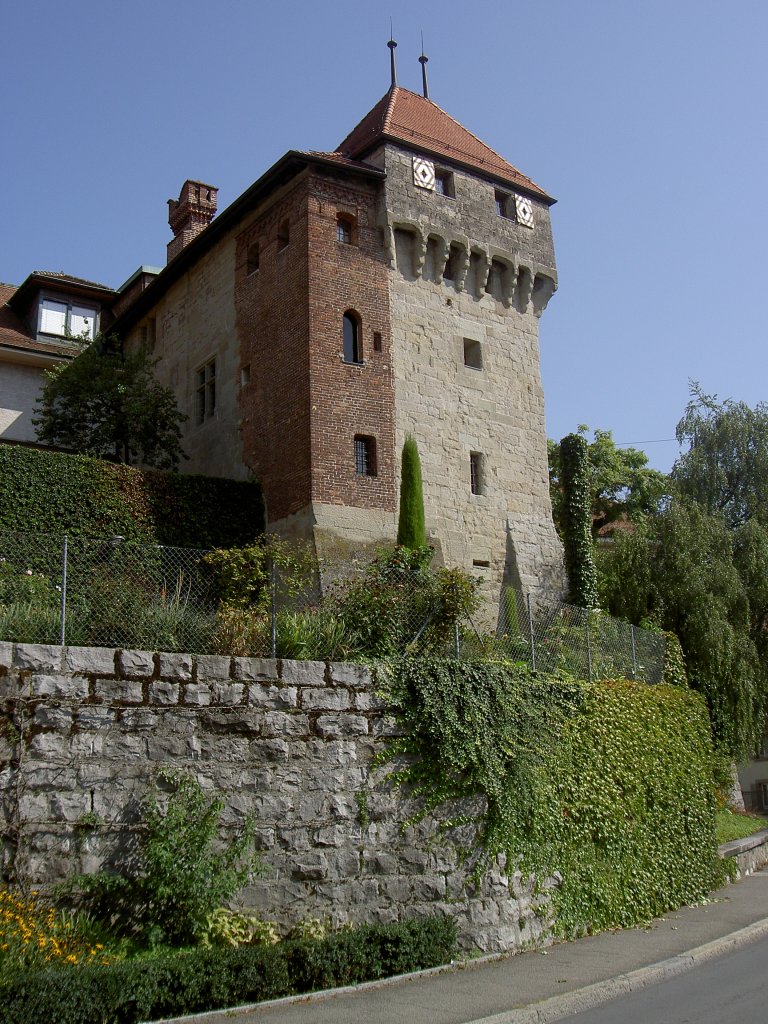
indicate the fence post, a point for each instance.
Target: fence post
{"x":63,"y":637}
{"x":589,"y":648}
{"x":634,"y":652}
{"x":530,"y":631}
{"x":456,"y":643}
{"x":273,"y":605}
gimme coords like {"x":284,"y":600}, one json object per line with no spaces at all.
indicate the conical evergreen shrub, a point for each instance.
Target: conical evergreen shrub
{"x":411,"y":531}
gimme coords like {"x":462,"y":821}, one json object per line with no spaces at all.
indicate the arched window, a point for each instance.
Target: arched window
{"x":351,"y":339}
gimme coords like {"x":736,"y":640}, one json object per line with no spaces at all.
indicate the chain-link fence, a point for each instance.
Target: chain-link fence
{"x":111,"y":592}
{"x":104,"y":592}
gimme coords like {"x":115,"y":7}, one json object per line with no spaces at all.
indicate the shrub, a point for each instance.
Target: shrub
{"x":208,"y":979}
{"x":178,"y":878}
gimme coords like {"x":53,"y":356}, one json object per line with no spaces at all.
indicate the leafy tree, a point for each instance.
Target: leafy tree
{"x":620,"y":482}
{"x":107,"y":402}
{"x":725,"y":468}
{"x":686,"y":571}
{"x":411,"y":530}
{"x":579,"y":558}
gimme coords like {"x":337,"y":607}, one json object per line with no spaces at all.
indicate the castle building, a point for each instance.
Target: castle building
{"x":347,"y":299}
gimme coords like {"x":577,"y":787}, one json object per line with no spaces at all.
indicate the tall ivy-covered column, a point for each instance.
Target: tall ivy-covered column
{"x":577,"y":533}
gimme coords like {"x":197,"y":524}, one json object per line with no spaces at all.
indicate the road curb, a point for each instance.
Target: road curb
{"x":587,"y":998}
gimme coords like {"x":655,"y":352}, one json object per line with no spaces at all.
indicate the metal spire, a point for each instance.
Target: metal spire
{"x":392,"y":44}
{"x":423,"y":61}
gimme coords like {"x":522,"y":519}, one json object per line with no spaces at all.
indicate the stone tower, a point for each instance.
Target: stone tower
{"x":349,"y":298}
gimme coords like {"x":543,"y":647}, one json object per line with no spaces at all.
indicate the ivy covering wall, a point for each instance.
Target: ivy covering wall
{"x":609,"y":783}
{"x":51,"y":492}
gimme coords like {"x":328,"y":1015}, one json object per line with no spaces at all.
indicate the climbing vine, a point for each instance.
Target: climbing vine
{"x":577,"y":521}
{"x":609,"y":783}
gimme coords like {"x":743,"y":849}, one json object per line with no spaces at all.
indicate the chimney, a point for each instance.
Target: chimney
{"x":190,"y":214}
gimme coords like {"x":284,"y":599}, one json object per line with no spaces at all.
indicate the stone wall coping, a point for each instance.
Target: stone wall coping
{"x":737,"y":846}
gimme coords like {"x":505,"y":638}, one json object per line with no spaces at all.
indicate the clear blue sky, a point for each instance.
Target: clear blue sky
{"x":647,"y":121}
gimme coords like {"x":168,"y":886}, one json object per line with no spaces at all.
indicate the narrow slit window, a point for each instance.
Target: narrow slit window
{"x":476,"y":472}
{"x":283,"y":235}
{"x":253,"y":258}
{"x":377,"y":341}
{"x":365,"y":456}
{"x":351,"y":338}
{"x":205,"y":391}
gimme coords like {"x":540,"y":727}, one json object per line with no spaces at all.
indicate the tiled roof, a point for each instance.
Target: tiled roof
{"x":406,"y":117}
{"x":59,"y":275}
{"x":14,"y":335}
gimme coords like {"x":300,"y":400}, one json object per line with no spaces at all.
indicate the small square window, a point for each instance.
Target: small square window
{"x":476,"y":472}
{"x":365,"y":456}
{"x":205,"y":391}
{"x":473,"y":354}
{"x":504,"y":205}
{"x":444,"y":184}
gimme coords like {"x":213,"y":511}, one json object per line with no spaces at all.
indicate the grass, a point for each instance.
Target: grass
{"x":730,"y":825}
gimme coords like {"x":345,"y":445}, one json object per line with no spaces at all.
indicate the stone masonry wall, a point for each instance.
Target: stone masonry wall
{"x":83,"y":732}
{"x":505,"y":532}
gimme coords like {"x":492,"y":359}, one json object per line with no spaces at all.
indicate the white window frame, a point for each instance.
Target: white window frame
{"x":73,"y":314}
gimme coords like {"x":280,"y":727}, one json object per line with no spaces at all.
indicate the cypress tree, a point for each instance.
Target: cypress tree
{"x":411,"y":532}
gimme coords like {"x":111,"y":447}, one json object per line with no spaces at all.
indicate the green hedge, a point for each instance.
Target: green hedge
{"x":221,"y":977}
{"x":50,"y":492}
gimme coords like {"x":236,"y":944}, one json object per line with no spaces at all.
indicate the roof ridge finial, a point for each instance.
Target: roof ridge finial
{"x":423,"y":61}
{"x":392,"y":44}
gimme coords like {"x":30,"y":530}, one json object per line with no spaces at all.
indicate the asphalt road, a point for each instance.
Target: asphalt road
{"x":730,"y":990}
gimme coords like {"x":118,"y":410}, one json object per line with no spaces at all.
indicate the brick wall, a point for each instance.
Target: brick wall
{"x":272,"y":317}
{"x":349,"y":399}
{"x":304,"y":405}
{"x":84,"y":730}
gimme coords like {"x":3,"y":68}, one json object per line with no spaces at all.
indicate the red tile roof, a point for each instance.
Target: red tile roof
{"x":404,"y":116}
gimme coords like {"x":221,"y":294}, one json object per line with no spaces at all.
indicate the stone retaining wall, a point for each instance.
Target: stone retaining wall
{"x":750,"y":853}
{"x":83,"y":732}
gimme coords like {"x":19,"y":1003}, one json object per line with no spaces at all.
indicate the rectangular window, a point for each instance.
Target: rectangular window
{"x":476,"y":472}
{"x":473,"y":354}
{"x":283,"y":235}
{"x":504,"y":205}
{"x":67,"y":319}
{"x":205,"y":392}
{"x":344,"y":230}
{"x":365,"y":456}
{"x":444,"y":184}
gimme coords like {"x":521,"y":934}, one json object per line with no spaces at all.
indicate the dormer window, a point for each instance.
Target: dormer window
{"x":66,"y":319}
